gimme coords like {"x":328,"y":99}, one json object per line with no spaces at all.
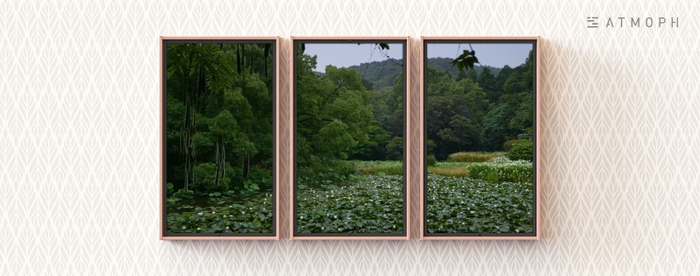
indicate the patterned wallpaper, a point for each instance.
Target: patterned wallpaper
{"x":79,"y":129}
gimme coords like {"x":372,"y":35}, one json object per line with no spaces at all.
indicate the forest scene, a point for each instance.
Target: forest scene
{"x":219,"y":143}
{"x":479,"y":131}
{"x":349,"y":138}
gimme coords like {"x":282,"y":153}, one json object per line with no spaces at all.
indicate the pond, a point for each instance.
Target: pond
{"x":467,"y":205}
{"x":362,"y":204}
{"x":204,"y":213}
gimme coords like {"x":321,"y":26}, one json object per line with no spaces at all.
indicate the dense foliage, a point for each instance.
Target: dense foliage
{"x":349,"y":144}
{"x":477,"y":112}
{"x":218,"y":132}
{"x":521,"y":151}
{"x":219,"y":213}
{"x":473,"y":156}
{"x":481,"y":124}
{"x":341,"y":119}
{"x":501,"y":169}
{"x":362,"y":204}
{"x":467,"y":205}
{"x":381,"y":74}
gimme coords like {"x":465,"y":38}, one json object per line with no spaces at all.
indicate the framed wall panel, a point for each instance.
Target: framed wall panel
{"x":350,"y":174}
{"x":479,"y":152}
{"x":219,"y":138}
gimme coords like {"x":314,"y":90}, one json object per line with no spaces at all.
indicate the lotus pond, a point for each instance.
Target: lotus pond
{"x":220,"y":213}
{"x":485,"y":197}
{"x":371,"y":203}
{"x":467,"y":205}
{"x":480,"y":197}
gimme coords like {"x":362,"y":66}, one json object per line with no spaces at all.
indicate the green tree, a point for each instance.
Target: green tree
{"x":488,"y":82}
{"x":394,"y":149}
{"x":375,"y":146}
{"x":514,"y":111}
{"x":475,"y":97}
{"x":470,"y":74}
{"x":454,"y":110}
{"x":334,"y":113}
{"x":496,"y":126}
{"x":478,"y":112}
{"x":219,"y":100}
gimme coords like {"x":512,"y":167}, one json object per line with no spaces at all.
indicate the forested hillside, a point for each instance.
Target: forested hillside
{"x":350,"y":144}
{"x":477,"y":112}
{"x":380,"y":74}
{"x":341,"y":121}
{"x":471,"y":110}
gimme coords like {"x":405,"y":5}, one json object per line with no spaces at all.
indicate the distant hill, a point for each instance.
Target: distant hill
{"x":446,"y":64}
{"x":382,"y":73}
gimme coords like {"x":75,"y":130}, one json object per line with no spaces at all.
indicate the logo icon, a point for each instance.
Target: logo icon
{"x":592,"y":22}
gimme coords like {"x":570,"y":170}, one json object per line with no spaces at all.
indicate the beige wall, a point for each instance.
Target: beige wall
{"x":79,"y":128}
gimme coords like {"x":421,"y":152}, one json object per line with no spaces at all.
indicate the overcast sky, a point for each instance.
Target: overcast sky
{"x":496,"y":55}
{"x":345,"y":55}
{"x":349,"y":54}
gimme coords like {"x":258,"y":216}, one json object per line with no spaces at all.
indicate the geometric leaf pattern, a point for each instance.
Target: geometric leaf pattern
{"x":79,"y":110}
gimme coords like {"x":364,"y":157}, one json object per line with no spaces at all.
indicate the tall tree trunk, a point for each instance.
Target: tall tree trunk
{"x":242,"y":57}
{"x":186,"y":125}
{"x":252,"y":61}
{"x":223,"y":160}
{"x":266,"y":53}
{"x":201,"y":86}
{"x":246,"y":163}
{"x":216,"y":181}
{"x":238,"y":58}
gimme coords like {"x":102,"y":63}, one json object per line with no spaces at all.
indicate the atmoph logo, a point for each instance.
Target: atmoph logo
{"x":593,"y":22}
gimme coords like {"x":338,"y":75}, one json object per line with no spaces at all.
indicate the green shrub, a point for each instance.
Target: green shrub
{"x":328,"y":172}
{"x":510,"y":143}
{"x":500,"y":160}
{"x":394,"y":149}
{"x":473,"y":156}
{"x":342,"y":167}
{"x":431,"y":160}
{"x":256,"y":179}
{"x":206,"y":178}
{"x":385,"y":167}
{"x":492,"y":176}
{"x":502,"y":170}
{"x":521,"y":151}
{"x":448,"y":171}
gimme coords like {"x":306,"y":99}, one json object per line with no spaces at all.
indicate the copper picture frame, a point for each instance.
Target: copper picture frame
{"x":298,"y":45}
{"x":220,"y":222}
{"x":463,"y":58}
